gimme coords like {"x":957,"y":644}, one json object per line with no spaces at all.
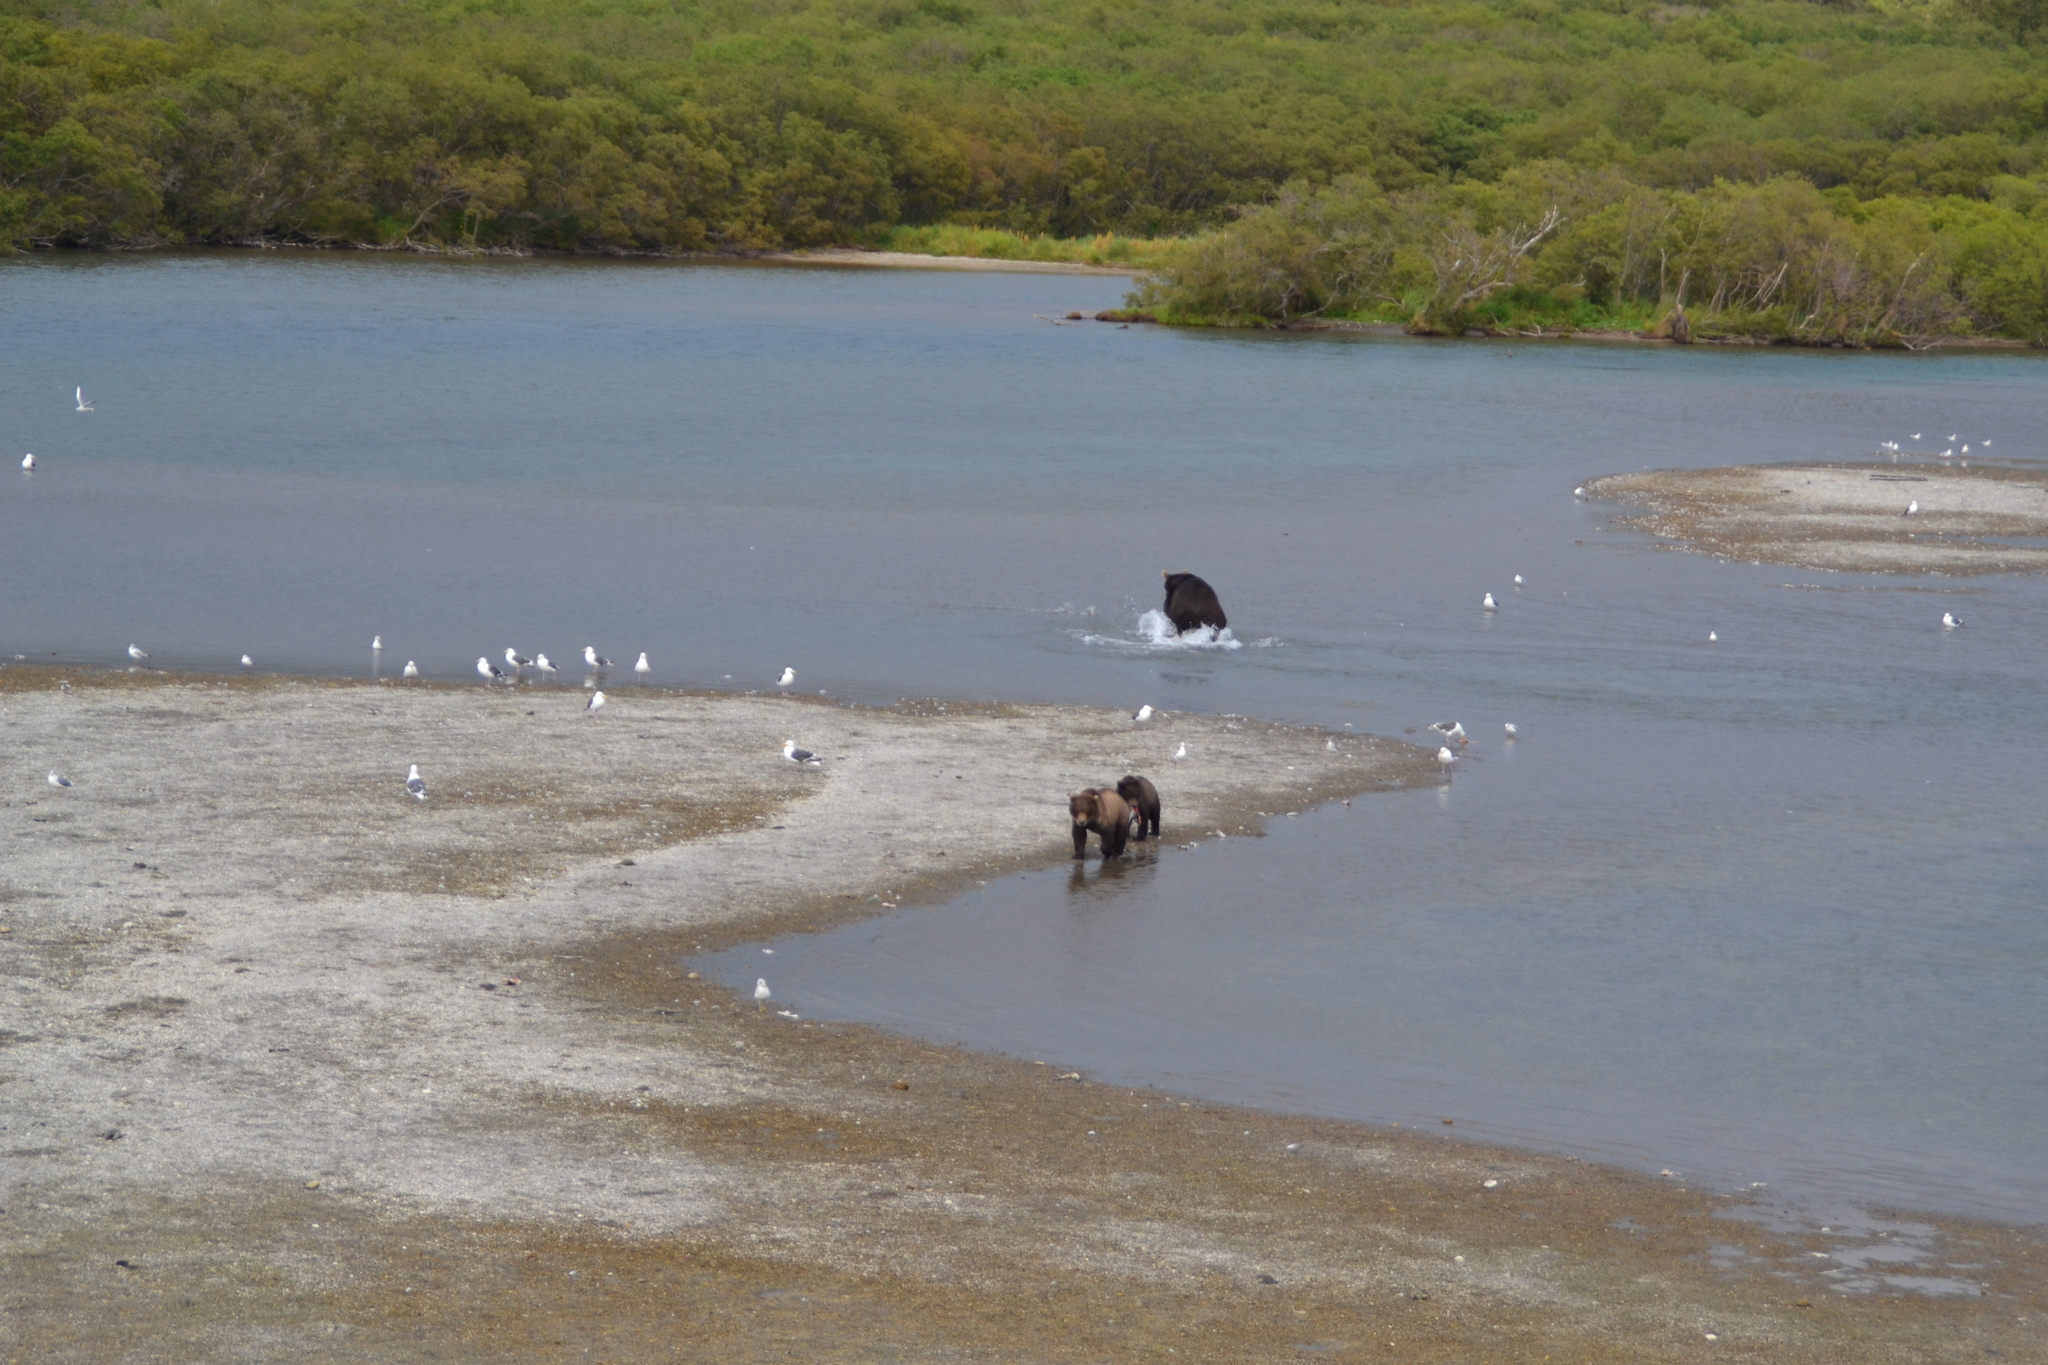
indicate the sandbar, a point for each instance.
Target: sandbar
{"x":294,"y":1066}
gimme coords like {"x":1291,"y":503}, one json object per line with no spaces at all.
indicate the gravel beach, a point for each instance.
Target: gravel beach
{"x":1846,"y":516}
{"x":293,"y":1065}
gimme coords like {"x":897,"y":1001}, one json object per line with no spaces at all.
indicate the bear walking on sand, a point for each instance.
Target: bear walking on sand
{"x":1103,"y":812}
{"x":1143,"y":799}
{"x":1190,"y":603}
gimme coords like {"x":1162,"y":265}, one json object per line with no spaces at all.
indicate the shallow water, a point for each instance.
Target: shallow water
{"x":1765,"y":909}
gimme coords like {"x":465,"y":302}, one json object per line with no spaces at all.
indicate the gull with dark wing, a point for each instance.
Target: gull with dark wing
{"x":800,"y":758}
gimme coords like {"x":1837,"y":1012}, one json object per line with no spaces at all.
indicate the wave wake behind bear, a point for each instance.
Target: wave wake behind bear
{"x":1155,"y":633}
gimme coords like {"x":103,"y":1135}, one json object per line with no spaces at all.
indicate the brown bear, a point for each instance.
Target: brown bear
{"x":1106,"y":814}
{"x":1143,"y":799}
{"x":1190,"y":603}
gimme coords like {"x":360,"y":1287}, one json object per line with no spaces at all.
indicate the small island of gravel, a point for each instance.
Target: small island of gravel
{"x":1846,"y":516}
{"x":293,"y":1065}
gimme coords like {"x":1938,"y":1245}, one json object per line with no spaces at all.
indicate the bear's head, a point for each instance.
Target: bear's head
{"x":1130,"y":790}
{"x":1085,"y":806}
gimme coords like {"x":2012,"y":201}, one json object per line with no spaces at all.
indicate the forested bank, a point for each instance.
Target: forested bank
{"x":682,"y":125}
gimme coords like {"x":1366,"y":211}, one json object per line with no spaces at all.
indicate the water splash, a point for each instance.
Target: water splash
{"x":1156,"y":633}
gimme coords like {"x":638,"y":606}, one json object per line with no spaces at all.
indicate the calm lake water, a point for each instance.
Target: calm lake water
{"x":1772,"y":909}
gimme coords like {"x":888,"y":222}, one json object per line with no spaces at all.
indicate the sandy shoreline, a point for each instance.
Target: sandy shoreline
{"x":912,"y":260}
{"x":293,"y":1065}
{"x":1846,"y":516}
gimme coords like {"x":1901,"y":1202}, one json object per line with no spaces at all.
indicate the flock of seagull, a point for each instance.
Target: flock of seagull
{"x":1893,"y":448}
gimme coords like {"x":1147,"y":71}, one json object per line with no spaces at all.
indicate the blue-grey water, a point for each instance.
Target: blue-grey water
{"x":1768,"y":909}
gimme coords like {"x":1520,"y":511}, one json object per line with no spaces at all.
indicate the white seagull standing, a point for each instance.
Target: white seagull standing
{"x":1180,"y":755}
{"x":596,"y":702}
{"x":1445,"y":756}
{"x":79,"y":396}
{"x":800,"y":758}
{"x":415,"y":784}
{"x":1518,"y":580}
{"x":1486,"y":602}
{"x":1513,"y":733}
{"x":643,"y":668}
{"x":58,"y":779}
{"x":1912,"y":506}
{"x":376,"y":644}
{"x":519,"y":662}
{"x":761,"y":993}
{"x":137,"y":653}
{"x":248,"y":662}
{"x":1712,"y":638}
{"x":28,"y":462}
{"x":487,"y":670}
{"x":787,"y":679}
{"x":1949,"y":620}
{"x":595,"y":659}
{"x":412,"y":670}
{"x":544,"y":664}
{"x":1142,"y":714}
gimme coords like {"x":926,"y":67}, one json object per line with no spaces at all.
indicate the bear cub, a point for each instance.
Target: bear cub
{"x":1103,"y":812}
{"x":1143,"y":799}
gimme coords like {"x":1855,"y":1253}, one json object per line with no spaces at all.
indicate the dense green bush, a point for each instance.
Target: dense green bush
{"x":679,"y":125}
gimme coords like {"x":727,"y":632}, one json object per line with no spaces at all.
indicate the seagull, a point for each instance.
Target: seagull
{"x":83,"y":406}
{"x":1951,"y":436}
{"x":1331,"y":745}
{"x":1986,"y":442}
{"x":761,"y":993}
{"x":788,"y":677}
{"x":1486,"y":602}
{"x":544,"y":664}
{"x":57,"y":779}
{"x":800,"y":758}
{"x":28,"y":462}
{"x":1142,"y":714}
{"x":376,"y":642}
{"x":595,"y":659}
{"x":487,"y":670}
{"x":137,"y":653}
{"x":1579,"y":492}
{"x":1513,"y":733}
{"x":248,"y":662}
{"x":1916,"y":435}
{"x":415,"y":784}
{"x":1450,"y":729}
{"x":1966,"y":447}
{"x":643,"y":668}
{"x":1949,"y":621}
{"x":1912,"y":506}
{"x":1445,"y":756}
{"x":519,"y":663}
{"x":412,"y":670}
{"x":1712,"y":638}
{"x":596,"y":702}
{"x":1180,"y":755}
{"x":1518,"y":580}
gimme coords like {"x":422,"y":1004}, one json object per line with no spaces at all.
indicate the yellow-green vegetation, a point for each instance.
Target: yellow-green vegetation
{"x":1903,"y":137}
{"x":998,"y":244}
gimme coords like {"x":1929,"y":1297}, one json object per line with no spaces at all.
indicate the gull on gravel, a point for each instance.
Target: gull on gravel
{"x":487,"y":670}
{"x":28,"y":462}
{"x":1912,"y":506}
{"x":79,"y":396}
{"x":1513,"y":733}
{"x":761,"y":993}
{"x":1486,"y":603}
{"x":519,"y":662}
{"x":596,"y":702}
{"x":595,"y":659}
{"x":643,"y":668}
{"x":1180,"y":755}
{"x":1142,"y":714}
{"x":1949,"y":620}
{"x":544,"y":664}
{"x":788,"y":677}
{"x":412,"y":670}
{"x":57,"y":779}
{"x":800,"y":758}
{"x":137,"y":653}
{"x":415,"y":784}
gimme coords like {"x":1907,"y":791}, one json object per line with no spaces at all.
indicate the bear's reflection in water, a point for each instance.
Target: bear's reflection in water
{"x":1111,"y":877}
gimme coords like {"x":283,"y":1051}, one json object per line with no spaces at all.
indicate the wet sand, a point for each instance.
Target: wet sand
{"x":1846,"y":516}
{"x":293,"y":1065}
{"x":912,"y":260}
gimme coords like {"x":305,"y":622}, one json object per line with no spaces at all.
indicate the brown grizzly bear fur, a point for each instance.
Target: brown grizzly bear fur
{"x":1190,"y":603}
{"x":1143,"y":799}
{"x":1103,"y":812}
